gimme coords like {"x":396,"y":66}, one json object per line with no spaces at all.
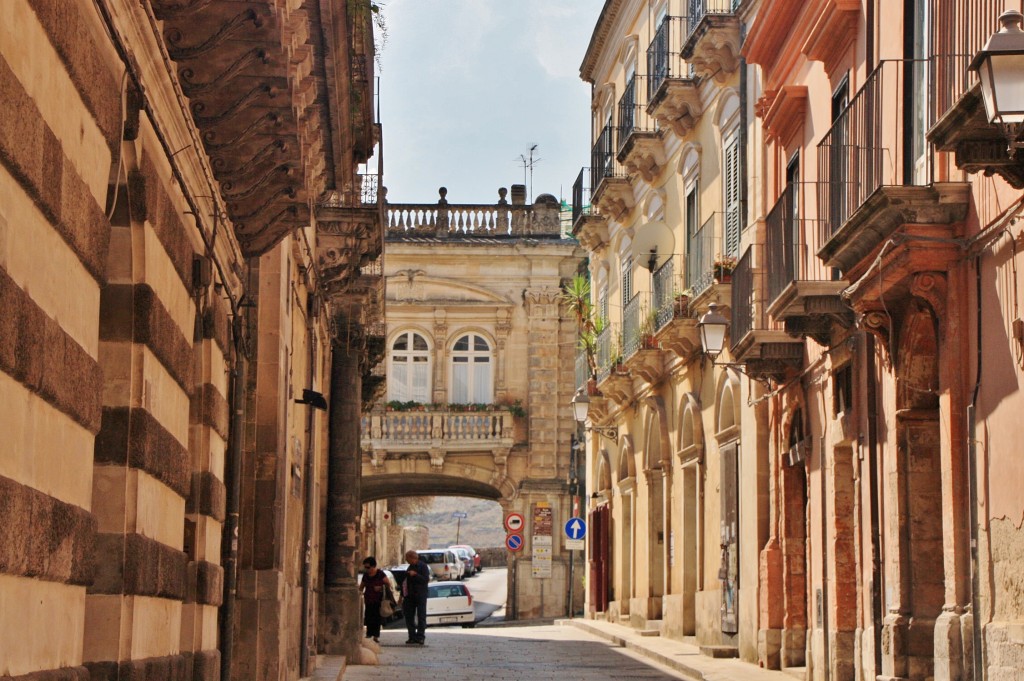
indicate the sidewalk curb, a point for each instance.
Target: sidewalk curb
{"x":624,"y":642}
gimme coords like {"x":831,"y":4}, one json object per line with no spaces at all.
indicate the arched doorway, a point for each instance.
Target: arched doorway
{"x":656,"y":516}
{"x":626,"y":495}
{"x":601,"y":538}
{"x":729,"y":452}
{"x":690,"y":550}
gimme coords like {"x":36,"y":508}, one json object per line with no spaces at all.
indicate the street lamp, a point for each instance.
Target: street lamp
{"x":580,"y":409}
{"x":712,"y":325}
{"x":1000,"y":68}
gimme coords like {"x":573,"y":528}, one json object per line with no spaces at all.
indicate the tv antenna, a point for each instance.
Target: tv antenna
{"x":528,"y":163}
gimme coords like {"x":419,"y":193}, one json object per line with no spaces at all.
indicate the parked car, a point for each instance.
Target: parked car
{"x":467,"y":561}
{"x":450,"y":603}
{"x":444,"y":564}
{"x":477,"y":564}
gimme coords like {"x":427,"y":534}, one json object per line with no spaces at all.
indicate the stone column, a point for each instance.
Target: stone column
{"x":341,"y":626}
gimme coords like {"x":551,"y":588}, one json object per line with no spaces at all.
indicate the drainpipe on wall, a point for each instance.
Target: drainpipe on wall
{"x":310,"y":500}
{"x":972,"y":478}
{"x":233,"y":483}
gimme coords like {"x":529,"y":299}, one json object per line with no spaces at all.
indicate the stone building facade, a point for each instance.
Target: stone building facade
{"x":167,"y":292}
{"x":873,"y":345}
{"x":479,"y":359}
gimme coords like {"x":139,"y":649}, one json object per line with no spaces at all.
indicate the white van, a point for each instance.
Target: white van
{"x":444,"y":564}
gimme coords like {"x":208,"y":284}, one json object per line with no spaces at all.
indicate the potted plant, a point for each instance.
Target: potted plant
{"x":723,"y":267}
{"x":681,"y":304}
{"x":648,"y":327}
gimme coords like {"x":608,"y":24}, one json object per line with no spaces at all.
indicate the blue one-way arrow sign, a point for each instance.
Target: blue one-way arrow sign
{"x":576,"y":528}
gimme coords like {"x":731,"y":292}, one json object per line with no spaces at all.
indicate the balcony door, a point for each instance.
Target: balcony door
{"x":733,"y":218}
{"x":472,"y":371}
{"x":409,"y":378}
{"x":918,"y":27}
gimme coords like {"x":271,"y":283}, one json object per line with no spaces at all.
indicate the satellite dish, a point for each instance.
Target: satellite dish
{"x":653,"y":245}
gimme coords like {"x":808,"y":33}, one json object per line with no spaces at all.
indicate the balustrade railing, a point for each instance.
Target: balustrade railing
{"x":784,"y":245}
{"x":451,"y":427}
{"x":502,"y":219}
{"x":703,"y":247}
{"x":663,"y":60}
{"x":870,"y":144}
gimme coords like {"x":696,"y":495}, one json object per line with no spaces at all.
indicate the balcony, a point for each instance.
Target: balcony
{"x":802,"y":292}
{"x":640,"y":147}
{"x":350,"y":243}
{"x":958,"y":122}
{"x":675,"y":321}
{"x":767,"y":351}
{"x":612,"y":193}
{"x":469,"y":220}
{"x":712,"y":44}
{"x":641,"y":353}
{"x":613,"y":379}
{"x":430,"y":430}
{"x":588,"y":226}
{"x":673,"y":94}
{"x":875,"y":177}
{"x":706,"y":282}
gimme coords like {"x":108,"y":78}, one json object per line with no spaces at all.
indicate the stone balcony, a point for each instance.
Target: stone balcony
{"x":712,"y":46}
{"x":442,"y":220}
{"x":438,"y":431}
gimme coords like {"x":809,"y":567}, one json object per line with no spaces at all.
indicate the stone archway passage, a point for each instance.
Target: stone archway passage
{"x":421,"y":484}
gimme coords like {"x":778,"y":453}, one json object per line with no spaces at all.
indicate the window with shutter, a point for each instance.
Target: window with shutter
{"x":627,"y":278}
{"x":409,"y":375}
{"x":731,"y":246}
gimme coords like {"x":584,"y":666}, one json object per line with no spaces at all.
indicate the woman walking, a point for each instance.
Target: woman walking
{"x":375,"y":589}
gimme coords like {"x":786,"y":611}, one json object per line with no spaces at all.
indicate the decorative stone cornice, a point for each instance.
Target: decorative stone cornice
{"x":648,"y":364}
{"x":598,"y":40}
{"x":783,"y":111}
{"x":833,"y":31}
{"x":592,"y":232}
{"x":260,"y":89}
{"x":764,"y":42}
{"x":618,"y":387}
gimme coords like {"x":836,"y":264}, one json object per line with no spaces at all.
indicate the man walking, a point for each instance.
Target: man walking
{"x":414,"y":598}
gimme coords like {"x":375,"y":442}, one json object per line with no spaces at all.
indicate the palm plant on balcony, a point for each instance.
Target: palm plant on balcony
{"x":576,"y":296}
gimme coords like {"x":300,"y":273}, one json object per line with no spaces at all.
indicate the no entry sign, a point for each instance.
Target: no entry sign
{"x":514,"y":522}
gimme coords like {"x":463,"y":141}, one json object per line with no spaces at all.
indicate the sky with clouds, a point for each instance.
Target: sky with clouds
{"x":468,"y":86}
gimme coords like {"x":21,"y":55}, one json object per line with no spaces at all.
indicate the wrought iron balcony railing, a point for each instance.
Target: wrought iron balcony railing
{"x":581,"y":196}
{"x":701,"y":8}
{"x":633,"y":116}
{"x":605,"y":341}
{"x":870,"y":144}
{"x":703,"y":247}
{"x":960,"y":32}
{"x":632,"y":318}
{"x":663,"y":60}
{"x":602,"y":157}
{"x":582,"y":368}
{"x":665,"y":286}
{"x":747,"y":311}
{"x":790,"y":242}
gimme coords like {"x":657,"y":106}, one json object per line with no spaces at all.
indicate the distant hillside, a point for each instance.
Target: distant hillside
{"x":481,"y":528}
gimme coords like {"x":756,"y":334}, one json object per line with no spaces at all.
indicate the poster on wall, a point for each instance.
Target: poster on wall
{"x":542,"y":524}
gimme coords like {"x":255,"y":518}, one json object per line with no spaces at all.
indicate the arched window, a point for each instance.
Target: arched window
{"x":409,"y":379}
{"x":471,"y":371}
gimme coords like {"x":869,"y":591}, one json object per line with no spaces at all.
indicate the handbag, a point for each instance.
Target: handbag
{"x":387,"y":608}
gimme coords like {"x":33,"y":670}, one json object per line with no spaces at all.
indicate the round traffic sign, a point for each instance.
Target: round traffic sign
{"x":514,"y":522}
{"x":514,"y":542}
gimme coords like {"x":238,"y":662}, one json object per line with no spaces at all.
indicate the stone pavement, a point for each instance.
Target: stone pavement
{"x":684,"y":658}
{"x":566,"y":650}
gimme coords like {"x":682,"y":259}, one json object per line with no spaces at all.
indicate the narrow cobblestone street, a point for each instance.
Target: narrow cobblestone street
{"x":522,"y":653}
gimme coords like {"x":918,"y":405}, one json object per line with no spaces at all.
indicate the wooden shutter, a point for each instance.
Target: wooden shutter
{"x":732,"y":197}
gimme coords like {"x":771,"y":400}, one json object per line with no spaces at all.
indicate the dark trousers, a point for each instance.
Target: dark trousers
{"x":371,"y":618}
{"x":415,"y":611}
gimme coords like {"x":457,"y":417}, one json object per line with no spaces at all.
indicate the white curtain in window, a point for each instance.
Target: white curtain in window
{"x":409,"y":377}
{"x":472,"y":379}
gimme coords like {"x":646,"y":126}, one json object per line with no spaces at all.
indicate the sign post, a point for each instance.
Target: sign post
{"x":458,"y":527}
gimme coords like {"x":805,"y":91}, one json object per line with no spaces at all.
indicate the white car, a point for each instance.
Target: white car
{"x":450,"y":603}
{"x":444,"y":564}
{"x":467,"y":560}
